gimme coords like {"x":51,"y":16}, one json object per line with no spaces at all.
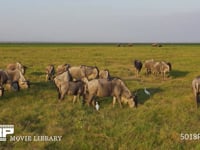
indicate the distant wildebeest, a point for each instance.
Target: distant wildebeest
{"x":14,"y":78}
{"x":196,"y":88}
{"x":50,"y":72}
{"x":156,"y":45}
{"x":148,"y":64}
{"x":138,"y":66}
{"x":105,"y":88}
{"x":66,"y":86}
{"x":18,"y":66}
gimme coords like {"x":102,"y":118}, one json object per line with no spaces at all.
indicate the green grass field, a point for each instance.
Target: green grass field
{"x":157,"y":123}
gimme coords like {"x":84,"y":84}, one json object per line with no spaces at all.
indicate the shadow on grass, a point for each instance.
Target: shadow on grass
{"x":43,"y":85}
{"x":38,"y":73}
{"x":35,"y":89}
{"x":142,"y":97}
{"x":178,"y":73}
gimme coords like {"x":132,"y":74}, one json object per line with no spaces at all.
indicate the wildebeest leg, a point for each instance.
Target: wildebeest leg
{"x":59,"y":94}
{"x":114,"y":101}
{"x":89,"y":100}
{"x":62,"y":96}
{"x":119,"y":101}
{"x":197,"y":100}
{"x":47,"y":77}
{"x":74,"y":99}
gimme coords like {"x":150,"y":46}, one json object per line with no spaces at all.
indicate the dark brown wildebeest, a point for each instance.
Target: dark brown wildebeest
{"x":18,"y":66}
{"x":14,"y":78}
{"x":65,"y":86}
{"x":138,"y":66}
{"x":104,"y":88}
{"x":50,"y":72}
{"x":196,"y":89}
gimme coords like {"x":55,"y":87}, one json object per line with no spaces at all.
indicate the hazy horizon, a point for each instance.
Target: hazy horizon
{"x":92,"y":21}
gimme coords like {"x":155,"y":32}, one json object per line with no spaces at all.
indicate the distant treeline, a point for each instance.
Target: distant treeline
{"x":5,"y":44}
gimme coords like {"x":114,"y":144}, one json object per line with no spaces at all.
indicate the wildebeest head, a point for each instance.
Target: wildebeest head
{"x":23,"y":83}
{"x":62,"y":68}
{"x":170,"y":66}
{"x":104,"y":74}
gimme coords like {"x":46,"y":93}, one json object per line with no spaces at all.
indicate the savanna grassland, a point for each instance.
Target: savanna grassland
{"x":157,"y":123}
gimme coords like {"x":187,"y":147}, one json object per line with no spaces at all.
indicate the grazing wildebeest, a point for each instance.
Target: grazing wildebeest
{"x":105,"y":88}
{"x":14,"y":78}
{"x":196,"y":88}
{"x":65,"y":86}
{"x":50,"y":72}
{"x":161,"y":68}
{"x":138,"y":66}
{"x":18,"y":66}
{"x":104,"y":74}
{"x":148,"y":64}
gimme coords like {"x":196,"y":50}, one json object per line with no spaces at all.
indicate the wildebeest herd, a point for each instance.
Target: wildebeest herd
{"x":88,"y":82}
{"x":13,"y":77}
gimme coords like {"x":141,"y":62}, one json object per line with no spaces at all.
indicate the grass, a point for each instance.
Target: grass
{"x":157,"y":123}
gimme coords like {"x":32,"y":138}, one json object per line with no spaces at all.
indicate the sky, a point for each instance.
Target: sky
{"x":100,"y":21}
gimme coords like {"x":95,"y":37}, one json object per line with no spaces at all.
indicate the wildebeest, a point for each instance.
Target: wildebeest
{"x":161,"y":68}
{"x":138,"y":66}
{"x":105,"y":88}
{"x":18,"y":66}
{"x":75,"y":88}
{"x":13,"y":77}
{"x":156,"y":45}
{"x":50,"y":72}
{"x":80,"y":72}
{"x":65,"y":86}
{"x":148,"y":64}
{"x":196,"y":88}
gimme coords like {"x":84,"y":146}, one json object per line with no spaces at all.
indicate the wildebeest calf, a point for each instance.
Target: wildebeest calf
{"x":75,"y":88}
